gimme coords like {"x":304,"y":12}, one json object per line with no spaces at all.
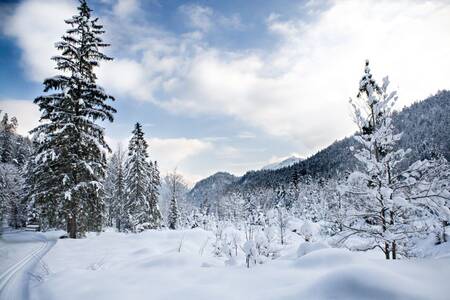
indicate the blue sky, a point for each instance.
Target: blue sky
{"x":232,"y":85}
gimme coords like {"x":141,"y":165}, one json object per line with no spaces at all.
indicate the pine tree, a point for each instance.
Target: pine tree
{"x":11,"y":188}
{"x":70,"y":147}
{"x":174,"y":214}
{"x":7,"y":138}
{"x":155,"y":184}
{"x":176,"y":185}
{"x":377,"y":138}
{"x":115,"y":189}
{"x":142,"y":179}
{"x":389,"y":206}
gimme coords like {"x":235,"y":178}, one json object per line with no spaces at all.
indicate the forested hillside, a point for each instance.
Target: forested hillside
{"x":425,"y":131}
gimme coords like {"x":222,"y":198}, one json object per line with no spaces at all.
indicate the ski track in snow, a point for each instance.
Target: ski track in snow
{"x":14,"y":281}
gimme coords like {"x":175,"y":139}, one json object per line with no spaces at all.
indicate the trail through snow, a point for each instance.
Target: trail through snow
{"x":20,"y":252}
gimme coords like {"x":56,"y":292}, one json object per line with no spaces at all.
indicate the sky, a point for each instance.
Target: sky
{"x":231,"y":85}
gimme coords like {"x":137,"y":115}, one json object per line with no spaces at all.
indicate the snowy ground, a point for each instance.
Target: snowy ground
{"x":149,"y":266}
{"x":20,"y":252}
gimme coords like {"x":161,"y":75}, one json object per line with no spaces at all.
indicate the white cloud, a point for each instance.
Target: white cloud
{"x":26,"y":112}
{"x":204,"y":18}
{"x":173,"y":153}
{"x":125,"y":8}
{"x":300,"y":90}
{"x":199,"y":17}
{"x":133,"y":80}
{"x":37,"y":25}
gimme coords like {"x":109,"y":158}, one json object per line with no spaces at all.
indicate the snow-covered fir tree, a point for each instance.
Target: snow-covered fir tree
{"x":141,"y":208}
{"x":7,"y":131}
{"x":12,"y":207}
{"x":387,"y":209}
{"x":174,"y":214}
{"x":176,"y":189}
{"x":155,"y":185}
{"x":70,"y":146}
{"x":115,"y":189}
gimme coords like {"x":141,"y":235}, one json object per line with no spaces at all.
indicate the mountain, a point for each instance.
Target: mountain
{"x":426,"y":131}
{"x":210,"y":188}
{"x":283,"y":164}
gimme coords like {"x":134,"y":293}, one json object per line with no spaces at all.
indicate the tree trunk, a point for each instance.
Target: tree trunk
{"x":444,"y":238}
{"x":386,"y":250}
{"x":72,"y":227}
{"x":394,"y":250}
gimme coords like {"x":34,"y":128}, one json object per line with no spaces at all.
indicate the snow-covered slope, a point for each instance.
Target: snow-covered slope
{"x":210,"y":188}
{"x":283,"y":164}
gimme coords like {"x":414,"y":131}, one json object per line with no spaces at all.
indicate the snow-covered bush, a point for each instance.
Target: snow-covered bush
{"x":251,"y":255}
{"x":308,"y":247}
{"x":309,"y":231}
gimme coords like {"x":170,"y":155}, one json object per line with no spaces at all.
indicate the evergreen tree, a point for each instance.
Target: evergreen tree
{"x":11,"y":188}
{"x":155,"y":184}
{"x":174,"y":214}
{"x":7,"y":138}
{"x":389,"y":206}
{"x":141,"y":207}
{"x":176,"y":186}
{"x":115,"y":189}
{"x":70,"y":147}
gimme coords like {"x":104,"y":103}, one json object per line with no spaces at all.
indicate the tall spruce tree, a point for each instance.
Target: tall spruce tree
{"x":141,"y":208}
{"x":70,"y":147}
{"x":155,"y":184}
{"x":115,"y":189}
{"x":7,"y":138}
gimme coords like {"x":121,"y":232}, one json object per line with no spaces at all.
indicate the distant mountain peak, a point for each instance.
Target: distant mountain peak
{"x":283,"y":164}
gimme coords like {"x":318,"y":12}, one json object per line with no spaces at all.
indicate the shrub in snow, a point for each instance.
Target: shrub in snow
{"x":309,"y":231}
{"x":308,"y":247}
{"x":251,"y":254}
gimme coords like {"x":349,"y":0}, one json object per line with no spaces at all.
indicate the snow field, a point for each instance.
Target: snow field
{"x":148,"y":265}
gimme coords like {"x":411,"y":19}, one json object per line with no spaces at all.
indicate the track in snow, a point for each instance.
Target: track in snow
{"x":14,"y":282}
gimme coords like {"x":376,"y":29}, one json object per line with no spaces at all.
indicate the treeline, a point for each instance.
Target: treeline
{"x":424,"y":125}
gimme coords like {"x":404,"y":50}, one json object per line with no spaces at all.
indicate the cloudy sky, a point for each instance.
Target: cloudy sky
{"x":232,"y":85}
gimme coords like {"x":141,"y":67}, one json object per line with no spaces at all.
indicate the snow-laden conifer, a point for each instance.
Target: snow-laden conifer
{"x":389,"y":207}
{"x":142,"y":180}
{"x":70,"y":145}
{"x":115,"y":189}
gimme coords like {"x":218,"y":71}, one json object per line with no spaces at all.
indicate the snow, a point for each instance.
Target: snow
{"x":282,"y":164}
{"x":308,"y":247}
{"x":20,"y":252}
{"x":152,"y":265}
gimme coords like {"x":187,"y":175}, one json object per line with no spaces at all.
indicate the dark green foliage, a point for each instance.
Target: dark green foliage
{"x":69,"y":145}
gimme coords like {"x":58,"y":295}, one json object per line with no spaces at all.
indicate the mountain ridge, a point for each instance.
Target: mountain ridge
{"x":425,"y":125}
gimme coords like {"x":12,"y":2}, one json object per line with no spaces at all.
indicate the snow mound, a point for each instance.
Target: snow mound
{"x":327,"y":258}
{"x":169,"y":260}
{"x":361,"y":282}
{"x":308,"y":247}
